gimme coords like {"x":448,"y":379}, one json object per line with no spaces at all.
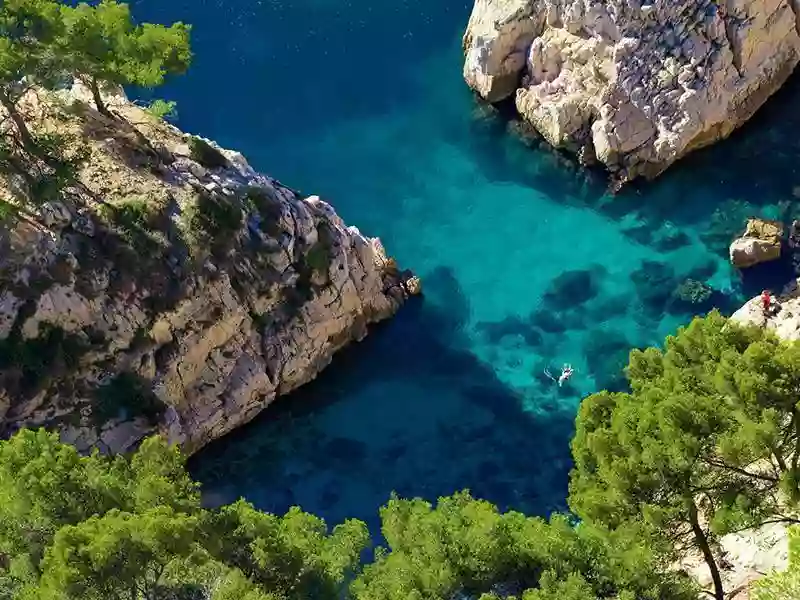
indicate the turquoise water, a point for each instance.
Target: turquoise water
{"x":527,"y":263}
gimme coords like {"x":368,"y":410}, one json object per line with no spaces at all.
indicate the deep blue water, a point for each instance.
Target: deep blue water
{"x":526,"y":261}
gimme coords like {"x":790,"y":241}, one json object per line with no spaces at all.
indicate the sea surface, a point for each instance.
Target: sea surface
{"x":527,"y":262}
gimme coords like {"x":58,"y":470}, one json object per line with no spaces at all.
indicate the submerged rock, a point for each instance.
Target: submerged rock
{"x":693,"y":292}
{"x":639,"y":84}
{"x":178,"y":290}
{"x":761,"y":242}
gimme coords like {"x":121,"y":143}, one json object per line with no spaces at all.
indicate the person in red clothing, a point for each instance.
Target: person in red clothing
{"x":766,"y":301}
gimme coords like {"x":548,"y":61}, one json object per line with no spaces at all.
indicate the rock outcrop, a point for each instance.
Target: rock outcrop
{"x":783,"y":319}
{"x":637,"y":83}
{"x":167,"y":285}
{"x":747,"y":556}
{"x":760,"y":242}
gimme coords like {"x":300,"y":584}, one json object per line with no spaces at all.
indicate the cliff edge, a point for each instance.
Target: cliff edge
{"x":636,"y":84}
{"x":150,"y":280}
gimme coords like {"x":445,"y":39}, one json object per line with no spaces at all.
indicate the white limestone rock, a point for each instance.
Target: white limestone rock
{"x":212,"y":339}
{"x":784,"y":320}
{"x":644,"y":84}
{"x":748,"y":555}
{"x":496,"y":44}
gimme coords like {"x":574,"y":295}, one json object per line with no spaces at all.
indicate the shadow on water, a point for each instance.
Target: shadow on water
{"x":449,"y":424}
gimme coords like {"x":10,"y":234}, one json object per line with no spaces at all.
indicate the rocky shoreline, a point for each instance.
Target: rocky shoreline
{"x":171,"y":287}
{"x":632,"y":84}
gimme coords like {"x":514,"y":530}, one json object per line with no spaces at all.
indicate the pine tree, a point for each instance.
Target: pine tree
{"x":28,"y":30}
{"x":103,"y":46}
{"x":699,"y":447}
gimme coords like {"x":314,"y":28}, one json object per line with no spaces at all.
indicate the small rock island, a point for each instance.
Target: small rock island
{"x":632,"y":84}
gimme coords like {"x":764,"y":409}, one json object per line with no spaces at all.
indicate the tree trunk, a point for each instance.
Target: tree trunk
{"x":780,"y":460}
{"x":22,"y":128}
{"x":17,"y":167}
{"x":98,"y":99}
{"x":794,"y":476}
{"x":702,"y":542}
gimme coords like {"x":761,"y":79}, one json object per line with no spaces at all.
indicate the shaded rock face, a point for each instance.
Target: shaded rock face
{"x":761,"y":242}
{"x":640,"y":83}
{"x":173,"y":297}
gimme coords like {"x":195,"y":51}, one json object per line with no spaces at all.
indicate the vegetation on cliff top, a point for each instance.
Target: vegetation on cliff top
{"x":43,"y":43}
{"x":706,"y":443}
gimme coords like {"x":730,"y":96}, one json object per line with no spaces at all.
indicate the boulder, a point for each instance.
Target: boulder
{"x":761,"y":242}
{"x":413,"y":285}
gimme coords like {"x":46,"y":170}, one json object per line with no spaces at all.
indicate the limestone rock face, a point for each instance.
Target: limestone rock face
{"x":761,"y":242}
{"x":641,"y":81}
{"x":749,"y":555}
{"x":784,"y":320}
{"x":172,"y":296}
{"x":496,"y":45}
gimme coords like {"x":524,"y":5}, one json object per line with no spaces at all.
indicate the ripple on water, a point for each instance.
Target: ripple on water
{"x":527,"y":263}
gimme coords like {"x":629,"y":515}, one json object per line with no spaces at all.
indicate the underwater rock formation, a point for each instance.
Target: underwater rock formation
{"x":635,"y":83}
{"x":167,"y":285}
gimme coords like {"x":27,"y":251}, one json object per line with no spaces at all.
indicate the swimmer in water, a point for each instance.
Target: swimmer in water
{"x":566,"y":373}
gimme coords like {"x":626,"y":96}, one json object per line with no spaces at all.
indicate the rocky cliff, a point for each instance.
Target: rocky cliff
{"x":152,"y":281}
{"x":635,"y":84}
{"x":783,"y":319}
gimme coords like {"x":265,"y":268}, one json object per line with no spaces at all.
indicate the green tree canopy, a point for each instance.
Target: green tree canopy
{"x":103,"y":45}
{"x":28,"y":30}
{"x":45,"y":485}
{"x":119,"y":556}
{"x":78,"y":527}
{"x":467,"y":545}
{"x":131,"y":528}
{"x":294,"y":553}
{"x":699,"y":447}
